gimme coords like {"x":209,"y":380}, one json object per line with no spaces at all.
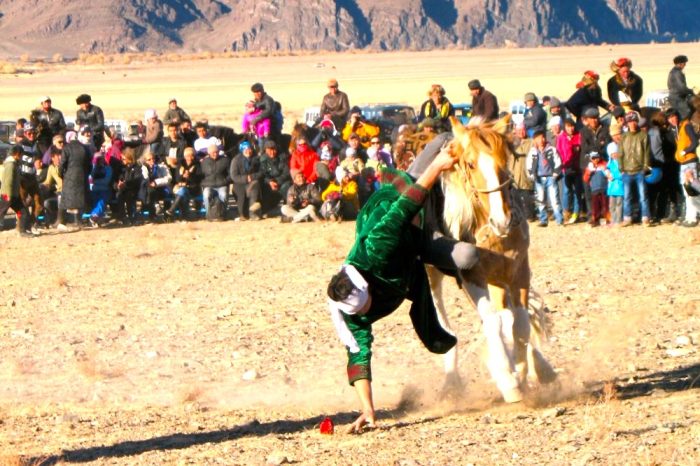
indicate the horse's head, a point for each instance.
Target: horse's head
{"x":481,"y":175}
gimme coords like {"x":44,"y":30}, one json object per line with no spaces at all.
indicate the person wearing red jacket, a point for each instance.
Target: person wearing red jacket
{"x":304,"y":159}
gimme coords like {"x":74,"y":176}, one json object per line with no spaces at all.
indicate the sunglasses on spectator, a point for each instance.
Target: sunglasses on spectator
{"x":60,"y":142}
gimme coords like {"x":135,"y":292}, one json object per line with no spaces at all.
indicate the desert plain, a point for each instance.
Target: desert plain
{"x":210,"y":343}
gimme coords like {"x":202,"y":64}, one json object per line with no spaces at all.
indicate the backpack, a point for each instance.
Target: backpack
{"x":216,"y":208}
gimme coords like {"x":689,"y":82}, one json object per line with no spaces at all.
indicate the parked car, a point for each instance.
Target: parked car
{"x":7,"y":129}
{"x":658,"y":99}
{"x":387,"y":116}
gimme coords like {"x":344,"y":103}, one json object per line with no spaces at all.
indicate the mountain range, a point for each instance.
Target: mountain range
{"x":42,"y":28}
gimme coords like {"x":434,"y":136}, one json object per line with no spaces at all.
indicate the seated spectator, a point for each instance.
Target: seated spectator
{"x":377,"y":159}
{"x":328,"y":133}
{"x":304,"y":159}
{"x":354,"y":143}
{"x":186,"y":186}
{"x":174,"y":114}
{"x":303,"y":201}
{"x":174,"y":144}
{"x":403,"y":158}
{"x":484,"y":103}
{"x":187,"y":133}
{"x":361,"y":127}
{"x":340,"y":199}
{"x":156,"y":184}
{"x":352,"y":163}
{"x":437,"y":107}
{"x":325,"y":168}
{"x":128,"y":187}
{"x":276,"y":177}
{"x":204,"y":140}
{"x":101,"y":189}
{"x":246,"y":176}
{"x":215,"y":177}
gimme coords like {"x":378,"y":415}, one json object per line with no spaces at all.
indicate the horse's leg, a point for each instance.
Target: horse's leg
{"x":543,"y":371}
{"x":521,"y":332}
{"x":497,"y":325}
{"x":453,"y":381}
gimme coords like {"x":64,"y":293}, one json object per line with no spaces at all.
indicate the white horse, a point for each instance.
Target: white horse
{"x":478,"y":209}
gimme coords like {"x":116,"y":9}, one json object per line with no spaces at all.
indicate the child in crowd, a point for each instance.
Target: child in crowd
{"x":596,"y":175}
{"x":261,"y":129}
{"x":352,"y":163}
{"x":616,"y":190}
{"x":340,"y":199}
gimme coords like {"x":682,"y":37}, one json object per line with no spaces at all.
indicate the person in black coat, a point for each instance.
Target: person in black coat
{"x":588,"y":94}
{"x":678,"y":91}
{"x":92,"y":116}
{"x":75,"y":168}
{"x":215,"y":176}
{"x":625,"y":82}
{"x":127,"y":188}
{"x":276,"y":177}
{"x":246,"y":176}
{"x":535,"y":117}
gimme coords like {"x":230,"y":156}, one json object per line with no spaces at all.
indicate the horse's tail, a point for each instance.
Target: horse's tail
{"x":539,"y":323}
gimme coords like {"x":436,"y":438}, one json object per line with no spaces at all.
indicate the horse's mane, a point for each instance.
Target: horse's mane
{"x":460,"y":212}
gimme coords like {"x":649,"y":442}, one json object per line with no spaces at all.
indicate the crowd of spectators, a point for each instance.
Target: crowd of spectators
{"x":569,"y":163}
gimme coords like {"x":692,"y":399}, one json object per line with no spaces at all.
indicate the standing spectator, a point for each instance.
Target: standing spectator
{"x":52,"y":186}
{"x":50,"y":122}
{"x":9,"y":192}
{"x":596,"y":175}
{"x":276,"y":177}
{"x":28,"y":176}
{"x":556,"y":109}
{"x":587,"y":94}
{"x":215,"y":173}
{"x":569,"y":149}
{"x":616,"y":188}
{"x":75,"y":169}
{"x":246,"y":176}
{"x":154,"y":134}
{"x":357,"y":125}
{"x":156,"y":184}
{"x":594,"y":138}
{"x":625,"y":87}
{"x":304,"y":159}
{"x":268,"y":109}
{"x":484,"y":103}
{"x":335,"y":105}
{"x":303,"y":201}
{"x":671,"y":175}
{"x":544,"y":166}
{"x":437,"y":107}
{"x":173,"y":144}
{"x":679,"y":93}
{"x":517,"y":166}
{"x":554,"y":129}
{"x":658,"y":198}
{"x":535,"y":117}
{"x":187,"y":184}
{"x":127,"y":188}
{"x":101,"y":189}
{"x":687,"y":157}
{"x":634,"y":162}
{"x":174,"y":114}
{"x":92,"y":116}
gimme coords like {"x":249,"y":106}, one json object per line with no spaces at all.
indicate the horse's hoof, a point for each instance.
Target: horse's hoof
{"x":452,"y":387}
{"x":545,"y":372}
{"x":513,"y":395}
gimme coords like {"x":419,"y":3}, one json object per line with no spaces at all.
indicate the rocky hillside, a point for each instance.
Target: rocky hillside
{"x":69,"y":27}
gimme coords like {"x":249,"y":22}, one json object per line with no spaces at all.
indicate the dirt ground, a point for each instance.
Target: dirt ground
{"x":201,"y":343}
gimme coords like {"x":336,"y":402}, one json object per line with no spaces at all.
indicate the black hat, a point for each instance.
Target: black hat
{"x":270,"y":145}
{"x":591,"y":112}
{"x":257,"y":87}
{"x":474,"y":84}
{"x":671,"y":112}
{"x":680,"y":59}
{"x":83,"y":99}
{"x":618,"y":112}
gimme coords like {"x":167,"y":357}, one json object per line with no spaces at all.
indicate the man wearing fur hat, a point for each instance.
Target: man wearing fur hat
{"x":92,"y":116}
{"x":386,"y":266}
{"x":625,"y":87}
{"x":678,"y":91}
{"x":587,"y":94}
{"x":335,"y":105}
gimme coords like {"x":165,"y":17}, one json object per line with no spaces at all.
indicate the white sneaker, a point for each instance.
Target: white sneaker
{"x":62,"y":227}
{"x":35,"y":231}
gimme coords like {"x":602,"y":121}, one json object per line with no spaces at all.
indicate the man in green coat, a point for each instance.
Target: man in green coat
{"x":386,"y":266}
